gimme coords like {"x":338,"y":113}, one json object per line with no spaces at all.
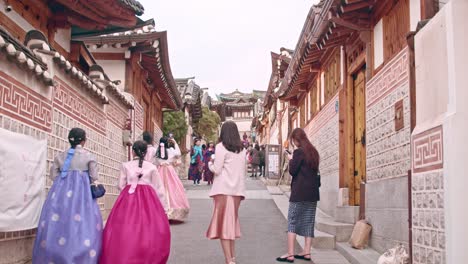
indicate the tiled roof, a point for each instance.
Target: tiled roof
{"x":134,"y":5}
{"x":23,"y":55}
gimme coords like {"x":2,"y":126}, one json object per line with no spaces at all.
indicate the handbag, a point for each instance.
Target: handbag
{"x":97,"y":190}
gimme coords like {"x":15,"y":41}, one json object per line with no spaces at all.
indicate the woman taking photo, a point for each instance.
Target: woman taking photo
{"x":137,"y":230}
{"x":70,"y":227}
{"x":228,"y":189}
{"x":303,"y":167}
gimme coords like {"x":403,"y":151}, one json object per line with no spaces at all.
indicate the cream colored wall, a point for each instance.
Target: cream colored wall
{"x":432,"y":69}
{"x":115,"y":69}
{"x":62,"y":37}
{"x":378,"y":44}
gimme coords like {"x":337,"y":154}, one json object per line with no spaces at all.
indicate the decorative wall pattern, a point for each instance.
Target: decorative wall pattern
{"x":393,"y":75}
{"x":323,"y":131}
{"x":427,"y":150}
{"x":22,"y":103}
{"x":71,"y":102}
{"x":116,"y":114}
{"x":428,"y":197}
{"x":69,"y":109}
{"x":388,"y":151}
{"x":137,"y":121}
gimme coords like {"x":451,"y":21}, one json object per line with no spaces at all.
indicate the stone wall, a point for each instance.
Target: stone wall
{"x":323,"y":132}
{"x":388,"y":154}
{"x":28,"y":107}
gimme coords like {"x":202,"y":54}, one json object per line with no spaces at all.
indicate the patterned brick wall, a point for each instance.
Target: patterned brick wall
{"x":323,"y":132}
{"x":388,"y":151}
{"x":428,"y":197}
{"x":24,"y":111}
{"x":388,"y":154}
{"x":137,"y":121}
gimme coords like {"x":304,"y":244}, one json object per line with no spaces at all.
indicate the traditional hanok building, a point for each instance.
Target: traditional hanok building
{"x":51,"y":82}
{"x":240,"y":108}
{"x":137,"y":59}
{"x":191,"y":95}
{"x":272,"y":123}
{"x":351,"y":83}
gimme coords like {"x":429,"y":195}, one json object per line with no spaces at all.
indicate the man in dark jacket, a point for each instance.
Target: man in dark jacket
{"x":261,"y":155}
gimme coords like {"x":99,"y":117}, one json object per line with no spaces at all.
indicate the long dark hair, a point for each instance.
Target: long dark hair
{"x":76,"y":136}
{"x":148,"y":138}
{"x":140,"y":147}
{"x":159,"y":153}
{"x":312,"y":157}
{"x":230,"y":138}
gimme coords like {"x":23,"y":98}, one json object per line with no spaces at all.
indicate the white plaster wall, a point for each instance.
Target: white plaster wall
{"x":446,"y":37}
{"x":415,"y":13}
{"x":378,"y":44}
{"x":115,"y":69}
{"x":62,"y":37}
{"x":432,"y":69}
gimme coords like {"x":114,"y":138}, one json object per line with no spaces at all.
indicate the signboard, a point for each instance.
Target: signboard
{"x":22,"y":171}
{"x":272,"y":161}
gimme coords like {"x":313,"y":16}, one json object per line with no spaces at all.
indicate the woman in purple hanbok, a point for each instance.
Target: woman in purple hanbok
{"x":207,"y":156}
{"x":70,"y":226}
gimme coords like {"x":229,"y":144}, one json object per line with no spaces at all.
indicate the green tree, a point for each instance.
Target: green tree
{"x":174,"y":122}
{"x":208,"y":125}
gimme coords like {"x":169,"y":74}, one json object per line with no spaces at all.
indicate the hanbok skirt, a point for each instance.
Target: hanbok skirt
{"x":137,"y":230}
{"x":70,"y":226}
{"x":178,"y":205}
{"x":225,"y":220}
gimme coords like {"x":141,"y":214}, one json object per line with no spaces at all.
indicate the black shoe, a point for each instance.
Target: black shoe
{"x":285,"y":259}
{"x":304,"y":257}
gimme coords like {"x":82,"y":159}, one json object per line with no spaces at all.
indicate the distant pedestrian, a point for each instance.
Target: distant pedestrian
{"x":151,"y":151}
{"x":261,"y":155}
{"x":304,"y":168}
{"x":70,"y":226}
{"x":137,"y":230}
{"x":196,"y":162}
{"x":255,"y":162}
{"x":207,"y":173}
{"x":228,"y":189}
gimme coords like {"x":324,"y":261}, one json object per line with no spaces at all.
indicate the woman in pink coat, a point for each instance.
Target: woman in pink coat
{"x":228,"y":189}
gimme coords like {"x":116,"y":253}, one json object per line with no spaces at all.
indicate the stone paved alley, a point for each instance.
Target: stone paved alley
{"x":263,"y":228}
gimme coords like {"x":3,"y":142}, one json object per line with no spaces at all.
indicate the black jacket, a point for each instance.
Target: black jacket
{"x":305,"y":179}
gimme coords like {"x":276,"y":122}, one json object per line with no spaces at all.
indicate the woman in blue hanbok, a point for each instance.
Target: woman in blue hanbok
{"x":70,"y":227}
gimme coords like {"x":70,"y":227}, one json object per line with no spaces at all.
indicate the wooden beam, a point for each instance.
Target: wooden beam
{"x":347,"y":24}
{"x":356,"y":6}
{"x":428,"y":9}
{"x":108,"y":56}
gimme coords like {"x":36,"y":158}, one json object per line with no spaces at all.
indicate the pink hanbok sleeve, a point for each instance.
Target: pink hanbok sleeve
{"x":158,"y":186}
{"x":122,"y":178}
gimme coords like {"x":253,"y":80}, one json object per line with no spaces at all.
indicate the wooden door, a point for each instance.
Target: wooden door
{"x":359,"y":133}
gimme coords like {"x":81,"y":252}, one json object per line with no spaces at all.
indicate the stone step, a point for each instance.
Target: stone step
{"x":357,"y":256}
{"x":341,"y":231}
{"x":347,"y":214}
{"x":323,"y":241}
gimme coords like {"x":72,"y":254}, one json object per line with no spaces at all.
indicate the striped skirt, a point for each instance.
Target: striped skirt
{"x":301,"y":218}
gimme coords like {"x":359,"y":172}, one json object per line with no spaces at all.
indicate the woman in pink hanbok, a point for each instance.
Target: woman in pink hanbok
{"x":137,"y":230}
{"x":176,"y":200}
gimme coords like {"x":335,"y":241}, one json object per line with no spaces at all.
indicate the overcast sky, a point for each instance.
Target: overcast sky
{"x":226,"y":44}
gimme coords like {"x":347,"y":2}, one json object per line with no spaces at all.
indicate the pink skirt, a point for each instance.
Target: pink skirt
{"x":178,"y":205}
{"x":225,"y":220}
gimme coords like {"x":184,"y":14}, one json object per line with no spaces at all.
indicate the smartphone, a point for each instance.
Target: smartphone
{"x":171,"y":135}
